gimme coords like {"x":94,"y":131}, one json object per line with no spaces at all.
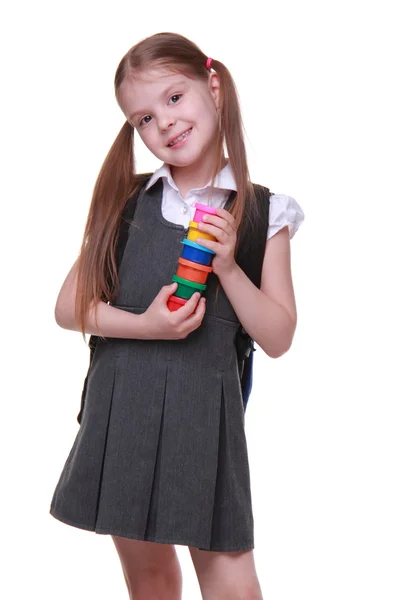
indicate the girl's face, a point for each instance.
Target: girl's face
{"x":162,"y":106}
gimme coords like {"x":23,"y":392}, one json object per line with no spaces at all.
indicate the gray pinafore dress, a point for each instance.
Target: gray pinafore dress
{"x":161,"y":451}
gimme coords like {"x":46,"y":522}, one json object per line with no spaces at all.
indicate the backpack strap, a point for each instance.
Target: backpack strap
{"x":250,"y":259}
{"x":252,"y":247}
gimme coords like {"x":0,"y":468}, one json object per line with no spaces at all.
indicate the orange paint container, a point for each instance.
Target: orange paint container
{"x":192,"y":271}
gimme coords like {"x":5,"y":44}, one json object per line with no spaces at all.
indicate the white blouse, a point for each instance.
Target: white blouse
{"x":283,"y":210}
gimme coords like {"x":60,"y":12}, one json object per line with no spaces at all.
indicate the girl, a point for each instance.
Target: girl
{"x":160,"y":457}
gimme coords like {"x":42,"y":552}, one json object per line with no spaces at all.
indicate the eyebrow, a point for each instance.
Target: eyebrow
{"x":164,"y":93}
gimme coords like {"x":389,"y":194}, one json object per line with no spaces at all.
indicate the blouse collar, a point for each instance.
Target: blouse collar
{"x":224,"y":180}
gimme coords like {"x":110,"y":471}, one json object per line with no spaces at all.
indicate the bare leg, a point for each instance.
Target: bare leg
{"x":152,"y":571}
{"x":226,"y":575}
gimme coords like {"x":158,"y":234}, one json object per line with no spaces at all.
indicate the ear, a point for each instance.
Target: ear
{"x":214,"y":87}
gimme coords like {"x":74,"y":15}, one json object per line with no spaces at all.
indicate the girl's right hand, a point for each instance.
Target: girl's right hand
{"x":161,"y":323}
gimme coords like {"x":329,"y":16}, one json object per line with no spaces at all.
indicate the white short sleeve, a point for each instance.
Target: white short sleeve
{"x":284,"y":210}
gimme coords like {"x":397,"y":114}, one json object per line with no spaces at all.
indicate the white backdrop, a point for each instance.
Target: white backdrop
{"x":318,"y":84}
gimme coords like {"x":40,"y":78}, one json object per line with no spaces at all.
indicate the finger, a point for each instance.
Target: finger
{"x":194,"y":320}
{"x":200,"y":309}
{"x":201,"y":303}
{"x":227,"y":216}
{"x":220,"y":234}
{"x":187,"y":309}
{"x":208,"y":244}
{"x":214,"y":222}
{"x":196,"y":306}
{"x":168,"y":290}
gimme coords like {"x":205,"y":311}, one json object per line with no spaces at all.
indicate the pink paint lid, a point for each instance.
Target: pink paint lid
{"x":204,"y":208}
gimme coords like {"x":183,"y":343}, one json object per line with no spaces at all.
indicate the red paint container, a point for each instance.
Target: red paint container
{"x":174,"y":303}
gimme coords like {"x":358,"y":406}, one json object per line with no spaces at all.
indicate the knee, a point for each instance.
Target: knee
{"x":250,"y":592}
{"x":229,"y":591}
{"x":158,"y":584}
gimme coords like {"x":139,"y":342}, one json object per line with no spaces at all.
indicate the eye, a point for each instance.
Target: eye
{"x":176,"y":96}
{"x":146,"y":117}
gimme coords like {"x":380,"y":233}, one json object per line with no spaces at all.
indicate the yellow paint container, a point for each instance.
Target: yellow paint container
{"x":194,"y":233}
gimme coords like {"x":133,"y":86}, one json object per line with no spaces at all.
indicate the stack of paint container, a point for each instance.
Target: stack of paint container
{"x":194,"y":262}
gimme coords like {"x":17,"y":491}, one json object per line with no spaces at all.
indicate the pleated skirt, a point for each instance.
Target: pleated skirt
{"x":161,"y":453}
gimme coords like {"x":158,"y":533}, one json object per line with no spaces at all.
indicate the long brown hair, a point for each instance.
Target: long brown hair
{"x":97,"y":276}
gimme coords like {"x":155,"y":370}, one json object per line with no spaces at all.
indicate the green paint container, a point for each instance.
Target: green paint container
{"x":187,"y":288}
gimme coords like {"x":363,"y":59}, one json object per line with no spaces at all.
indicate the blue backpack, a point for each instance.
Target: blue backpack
{"x":250,"y":259}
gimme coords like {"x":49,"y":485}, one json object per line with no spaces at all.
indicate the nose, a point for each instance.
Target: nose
{"x":165,"y":122}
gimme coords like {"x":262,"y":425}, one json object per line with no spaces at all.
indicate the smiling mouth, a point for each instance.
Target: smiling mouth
{"x":180,"y":138}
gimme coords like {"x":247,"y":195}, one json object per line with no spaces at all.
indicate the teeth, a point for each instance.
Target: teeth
{"x":178,"y":139}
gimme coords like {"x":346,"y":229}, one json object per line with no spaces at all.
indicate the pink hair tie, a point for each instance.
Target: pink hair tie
{"x":208,"y":63}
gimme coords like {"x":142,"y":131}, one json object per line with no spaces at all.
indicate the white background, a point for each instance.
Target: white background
{"x":318,"y":84}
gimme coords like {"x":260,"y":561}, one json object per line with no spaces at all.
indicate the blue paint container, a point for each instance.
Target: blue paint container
{"x":196,"y":253}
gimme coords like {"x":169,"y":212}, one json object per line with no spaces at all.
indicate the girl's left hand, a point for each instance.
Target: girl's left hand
{"x":223,"y":227}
